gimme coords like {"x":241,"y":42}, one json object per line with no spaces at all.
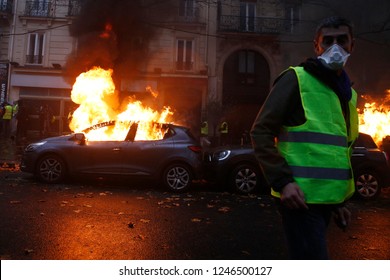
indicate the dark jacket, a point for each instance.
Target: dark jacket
{"x":283,"y":107}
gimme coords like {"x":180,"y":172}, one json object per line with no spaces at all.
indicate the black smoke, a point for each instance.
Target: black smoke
{"x":111,"y":34}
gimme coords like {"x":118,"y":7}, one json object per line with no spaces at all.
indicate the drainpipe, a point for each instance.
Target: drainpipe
{"x":207,"y":35}
{"x":11,"y":48}
{"x":12,"y":41}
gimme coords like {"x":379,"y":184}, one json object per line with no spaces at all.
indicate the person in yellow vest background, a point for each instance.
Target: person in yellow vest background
{"x":224,"y":130}
{"x":311,"y":111}
{"x":6,"y":120}
{"x":204,"y":134}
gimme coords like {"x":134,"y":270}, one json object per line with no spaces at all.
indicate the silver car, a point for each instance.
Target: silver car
{"x":237,"y":167}
{"x":174,"y":161}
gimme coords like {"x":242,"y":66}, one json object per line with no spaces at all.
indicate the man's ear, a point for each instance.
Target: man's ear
{"x":316,"y":47}
{"x":352,"y":45}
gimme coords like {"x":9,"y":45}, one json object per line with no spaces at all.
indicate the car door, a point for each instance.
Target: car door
{"x":145,"y":158}
{"x":99,"y":157}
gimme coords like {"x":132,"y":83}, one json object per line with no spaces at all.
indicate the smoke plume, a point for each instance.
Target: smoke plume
{"x":110,"y":34}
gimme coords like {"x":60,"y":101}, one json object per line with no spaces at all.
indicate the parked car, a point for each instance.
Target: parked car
{"x":237,"y":168}
{"x":175,"y":160}
{"x":370,"y":167}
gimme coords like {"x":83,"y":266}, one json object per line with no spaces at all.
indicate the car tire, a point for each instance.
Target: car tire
{"x":177,"y":177}
{"x":51,"y":169}
{"x":244,"y":178}
{"x":367,"y":184}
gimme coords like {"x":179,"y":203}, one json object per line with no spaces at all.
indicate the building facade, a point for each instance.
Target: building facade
{"x":208,"y":60}
{"x":212,"y":60}
{"x":247,"y":58}
{"x":6,"y":12}
{"x":39,"y":43}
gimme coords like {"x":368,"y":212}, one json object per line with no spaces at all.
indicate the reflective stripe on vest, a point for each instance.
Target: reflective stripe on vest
{"x":313,"y":137}
{"x":317,"y":151}
{"x":322,"y":173}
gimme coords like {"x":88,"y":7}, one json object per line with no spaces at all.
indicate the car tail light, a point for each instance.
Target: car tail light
{"x":195,"y":149}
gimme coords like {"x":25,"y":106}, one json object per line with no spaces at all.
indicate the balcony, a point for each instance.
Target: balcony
{"x":188,"y":15}
{"x":257,"y":25}
{"x":38,"y":9}
{"x":184,"y":65}
{"x":34,"y":59}
{"x":6,"y":6}
{"x":5,"y":9}
{"x":75,"y":7}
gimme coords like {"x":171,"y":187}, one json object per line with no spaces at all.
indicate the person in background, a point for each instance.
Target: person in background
{"x":45,"y":117}
{"x":2,"y":110}
{"x":6,"y":120}
{"x":224,"y":130}
{"x":204,"y":134}
{"x":303,"y":137}
{"x":22,"y":122}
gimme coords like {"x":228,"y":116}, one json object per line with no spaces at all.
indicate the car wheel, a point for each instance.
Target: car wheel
{"x":368,"y":184}
{"x":244,"y":178}
{"x":51,"y":169}
{"x":177,"y":177}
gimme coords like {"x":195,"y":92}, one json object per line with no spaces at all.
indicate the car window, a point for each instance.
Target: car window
{"x":153,"y":132}
{"x":189,"y":133}
{"x":169,"y":133}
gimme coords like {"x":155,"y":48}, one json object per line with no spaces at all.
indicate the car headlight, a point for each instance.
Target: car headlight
{"x":221,"y":155}
{"x":34,"y":146}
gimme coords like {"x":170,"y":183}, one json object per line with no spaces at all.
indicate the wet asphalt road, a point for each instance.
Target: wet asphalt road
{"x":105,"y":220}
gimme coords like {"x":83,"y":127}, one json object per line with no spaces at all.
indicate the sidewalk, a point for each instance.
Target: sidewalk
{"x":10,"y":153}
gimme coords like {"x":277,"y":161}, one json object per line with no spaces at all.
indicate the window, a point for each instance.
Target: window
{"x":247,"y":16}
{"x":184,"y":57}
{"x":246,"y":62}
{"x":35,"y":48}
{"x":187,"y":8}
{"x":246,"y":67}
{"x":293,"y":15}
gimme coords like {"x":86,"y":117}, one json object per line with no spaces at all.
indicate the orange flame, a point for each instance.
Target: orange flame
{"x":375,"y":119}
{"x":95,"y":92}
{"x":107,"y":31}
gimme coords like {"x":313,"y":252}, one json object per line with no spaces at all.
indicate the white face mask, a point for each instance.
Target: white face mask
{"x":335,"y":57}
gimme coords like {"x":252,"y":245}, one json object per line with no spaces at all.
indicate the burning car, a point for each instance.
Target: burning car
{"x":237,"y":168}
{"x":174,"y":159}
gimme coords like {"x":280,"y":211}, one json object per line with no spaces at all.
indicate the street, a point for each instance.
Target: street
{"x":99,"y":219}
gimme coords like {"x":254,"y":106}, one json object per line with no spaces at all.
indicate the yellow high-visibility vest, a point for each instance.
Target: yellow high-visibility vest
{"x":319,"y":151}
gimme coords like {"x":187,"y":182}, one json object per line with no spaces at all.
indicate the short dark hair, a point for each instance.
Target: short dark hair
{"x":334,"y":22}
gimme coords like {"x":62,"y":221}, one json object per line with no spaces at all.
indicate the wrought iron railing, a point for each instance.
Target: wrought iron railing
{"x":6,"y":6}
{"x":46,"y":8}
{"x":34,"y":59}
{"x":184,"y":65}
{"x":260,"y":25}
{"x":75,"y":7}
{"x":38,"y":8}
{"x":189,"y":15}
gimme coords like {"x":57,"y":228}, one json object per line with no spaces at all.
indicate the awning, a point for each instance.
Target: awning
{"x":39,"y":81}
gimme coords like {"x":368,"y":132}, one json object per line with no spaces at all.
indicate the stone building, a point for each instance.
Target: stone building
{"x":210,"y":60}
